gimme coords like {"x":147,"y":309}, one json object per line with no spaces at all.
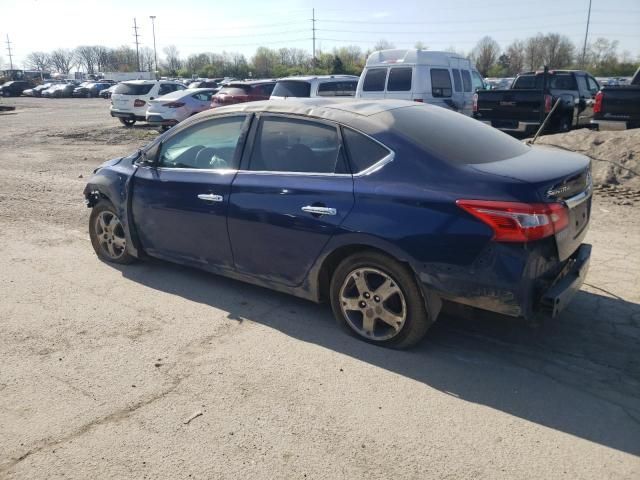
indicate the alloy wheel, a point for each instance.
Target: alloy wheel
{"x":110,"y":234}
{"x":373,"y":304}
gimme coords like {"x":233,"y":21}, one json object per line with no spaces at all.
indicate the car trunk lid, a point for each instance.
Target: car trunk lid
{"x":556,"y":176}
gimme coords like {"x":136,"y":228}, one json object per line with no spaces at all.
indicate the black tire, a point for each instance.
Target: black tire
{"x":108,"y":243}
{"x":127,"y":122}
{"x":416,"y":319}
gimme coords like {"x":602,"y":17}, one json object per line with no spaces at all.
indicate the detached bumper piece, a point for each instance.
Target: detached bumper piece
{"x":568,"y":282}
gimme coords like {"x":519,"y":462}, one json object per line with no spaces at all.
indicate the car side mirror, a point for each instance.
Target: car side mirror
{"x":148,"y":157}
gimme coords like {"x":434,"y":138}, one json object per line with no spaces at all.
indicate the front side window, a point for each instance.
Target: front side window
{"x":209,"y":145}
{"x":363,"y":151}
{"x":466,"y":80}
{"x":476,"y":81}
{"x":457,"y":81}
{"x":374,"y":80}
{"x":399,"y":79}
{"x":292,"y":145}
{"x":440,"y":82}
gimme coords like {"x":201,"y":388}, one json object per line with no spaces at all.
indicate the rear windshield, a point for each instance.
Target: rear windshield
{"x":292,"y":88}
{"x":437,"y":131}
{"x":133,"y":88}
{"x":561,"y":81}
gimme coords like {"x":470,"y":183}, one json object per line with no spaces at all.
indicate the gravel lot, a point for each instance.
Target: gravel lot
{"x":159,"y":371}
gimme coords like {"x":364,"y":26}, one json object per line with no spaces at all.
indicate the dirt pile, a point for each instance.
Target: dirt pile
{"x":615,"y":155}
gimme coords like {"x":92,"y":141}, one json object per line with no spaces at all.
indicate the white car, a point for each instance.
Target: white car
{"x":174,"y":107}
{"x":438,"y":78}
{"x":315,"y":86}
{"x":130,"y":100}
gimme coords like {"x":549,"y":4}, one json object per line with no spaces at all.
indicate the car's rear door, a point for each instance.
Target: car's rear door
{"x":180,"y":205}
{"x":290,"y":196}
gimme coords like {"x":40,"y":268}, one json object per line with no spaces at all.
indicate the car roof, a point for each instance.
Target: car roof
{"x":309,"y":78}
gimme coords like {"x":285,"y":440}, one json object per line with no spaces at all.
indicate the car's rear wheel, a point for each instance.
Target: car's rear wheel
{"x":127,"y":122}
{"x":378,"y":299}
{"x":107,"y":234}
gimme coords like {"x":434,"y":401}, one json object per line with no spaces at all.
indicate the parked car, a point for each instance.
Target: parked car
{"x":315,"y":86}
{"x":106,"y":93}
{"x":437,"y":78}
{"x":375,"y":206}
{"x":523,"y":107}
{"x":130,"y":100}
{"x":60,"y":90}
{"x":14,"y":88}
{"x":91,"y":89}
{"x":204,"y":84}
{"x":243,"y":91}
{"x":618,"y":108}
{"x":175,"y":107}
{"x":37,"y":90}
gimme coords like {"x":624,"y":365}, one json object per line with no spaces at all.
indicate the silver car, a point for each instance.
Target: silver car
{"x":174,"y":107}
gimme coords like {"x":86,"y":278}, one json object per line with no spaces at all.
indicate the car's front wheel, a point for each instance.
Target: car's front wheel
{"x":107,"y":234}
{"x":378,"y":299}
{"x":127,"y":122}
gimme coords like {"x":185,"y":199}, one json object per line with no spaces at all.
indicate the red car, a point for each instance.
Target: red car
{"x":246,"y":91}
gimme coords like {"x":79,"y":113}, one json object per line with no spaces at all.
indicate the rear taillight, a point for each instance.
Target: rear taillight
{"x":547,"y":103}
{"x":418,"y":100}
{"x":475,"y":102}
{"x":173,"y":104}
{"x":597,"y":107}
{"x":139,"y":103}
{"x":518,"y":222}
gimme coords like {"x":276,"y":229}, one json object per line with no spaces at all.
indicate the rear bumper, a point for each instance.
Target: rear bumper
{"x":155,"y":119}
{"x":513,"y":280}
{"x":610,"y":124}
{"x":522,"y":127}
{"x":568,"y":282}
{"x":129,"y":115}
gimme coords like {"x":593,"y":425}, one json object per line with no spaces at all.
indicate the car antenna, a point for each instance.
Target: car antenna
{"x":544,"y":123}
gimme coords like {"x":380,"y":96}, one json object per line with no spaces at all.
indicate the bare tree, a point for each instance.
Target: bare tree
{"x":102,"y":57}
{"x":383,"y":44}
{"x":516,"y":56}
{"x":63,"y":60}
{"x":86,"y":57}
{"x":420,"y":45}
{"x":37,"y":61}
{"x":172,"y":61}
{"x":147,"y":59}
{"x":534,"y":52}
{"x":558,"y":51}
{"x":485,"y":54}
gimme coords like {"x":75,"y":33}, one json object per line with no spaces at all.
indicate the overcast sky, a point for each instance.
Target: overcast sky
{"x":199,"y":25}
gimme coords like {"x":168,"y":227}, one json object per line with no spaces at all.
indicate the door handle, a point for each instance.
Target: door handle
{"x":314,"y":210}
{"x":210,"y":197}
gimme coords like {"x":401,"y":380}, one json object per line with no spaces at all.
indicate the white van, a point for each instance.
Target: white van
{"x":438,"y":78}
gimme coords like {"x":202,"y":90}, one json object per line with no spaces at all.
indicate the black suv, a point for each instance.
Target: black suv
{"x":14,"y":88}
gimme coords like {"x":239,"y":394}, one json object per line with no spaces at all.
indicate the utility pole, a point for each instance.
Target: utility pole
{"x":155,"y":52}
{"x":9,"y":50}
{"x":313,"y":30}
{"x":135,"y":34}
{"x":586,"y":34}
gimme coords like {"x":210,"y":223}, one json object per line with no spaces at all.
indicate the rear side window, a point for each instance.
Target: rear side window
{"x":363,"y":151}
{"x":292,"y":88}
{"x":374,"y":80}
{"x":561,"y":81}
{"x":457,"y":81}
{"x":263,"y":90}
{"x":167,"y":88}
{"x":337,"y":89}
{"x":399,"y":79}
{"x":440,"y":82}
{"x":292,"y":145}
{"x":466,"y":80}
{"x":133,"y":88}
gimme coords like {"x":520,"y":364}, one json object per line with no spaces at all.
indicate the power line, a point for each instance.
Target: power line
{"x":135,"y":34}
{"x":9,"y":50}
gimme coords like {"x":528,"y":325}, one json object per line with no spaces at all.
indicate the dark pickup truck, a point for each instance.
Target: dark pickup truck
{"x":522,"y":107}
{"x":618,"y":108}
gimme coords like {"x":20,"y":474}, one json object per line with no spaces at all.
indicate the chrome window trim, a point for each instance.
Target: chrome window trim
{"x":221,"y":171}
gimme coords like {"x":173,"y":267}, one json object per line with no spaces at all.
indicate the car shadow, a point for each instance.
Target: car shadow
{"x":579,"y":374}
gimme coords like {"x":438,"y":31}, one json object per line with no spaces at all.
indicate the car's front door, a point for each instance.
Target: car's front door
{"x":180,"y":204}
{"x":290,"y":196}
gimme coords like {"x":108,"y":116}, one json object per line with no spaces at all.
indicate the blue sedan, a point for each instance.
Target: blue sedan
{"x":384,"y":209}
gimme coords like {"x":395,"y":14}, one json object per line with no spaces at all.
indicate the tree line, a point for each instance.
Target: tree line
{"x":553,"y":49}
